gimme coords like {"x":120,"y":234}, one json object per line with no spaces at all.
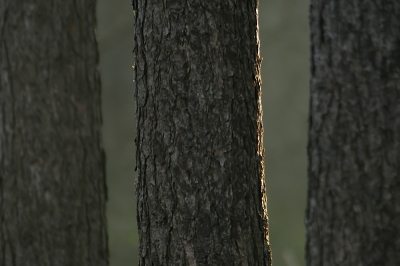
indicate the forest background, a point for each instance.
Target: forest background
{"x":284,"y":37}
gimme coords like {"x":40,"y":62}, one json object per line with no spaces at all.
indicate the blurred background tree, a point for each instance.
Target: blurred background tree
{"x":284,"y":38}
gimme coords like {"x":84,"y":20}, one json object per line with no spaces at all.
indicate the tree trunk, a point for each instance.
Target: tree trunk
{"x":353,"y":215}
{"x":200,"y":191}
{"x":52,"y":179}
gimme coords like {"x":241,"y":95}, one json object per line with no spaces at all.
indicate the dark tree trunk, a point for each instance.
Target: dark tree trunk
{"x":52,"y":181}
{"x":353,"y":215}
{"x":200,"y":192}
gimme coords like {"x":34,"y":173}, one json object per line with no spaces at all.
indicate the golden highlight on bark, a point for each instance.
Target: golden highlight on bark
{"x":201,"y":188}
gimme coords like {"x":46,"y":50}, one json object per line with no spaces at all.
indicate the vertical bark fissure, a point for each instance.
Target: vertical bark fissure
{"x":201,"y":194}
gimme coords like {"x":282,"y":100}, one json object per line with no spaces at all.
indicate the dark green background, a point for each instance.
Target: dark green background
{"x":285,"y":49}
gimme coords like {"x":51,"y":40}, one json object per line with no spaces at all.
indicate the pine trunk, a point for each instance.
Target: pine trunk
{"x":52,"y":179}
{"x":200,"y":191}
{"x":353,"y":215}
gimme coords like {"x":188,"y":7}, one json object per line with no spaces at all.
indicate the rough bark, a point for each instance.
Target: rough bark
{"x":200,"y":191}
{"x":353,"y":215}
{"x":52,"y":181}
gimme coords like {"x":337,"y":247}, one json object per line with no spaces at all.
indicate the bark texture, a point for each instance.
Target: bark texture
{"x":353,"y":215}
{"x":52,"y":181}
{"x":200,"y":191}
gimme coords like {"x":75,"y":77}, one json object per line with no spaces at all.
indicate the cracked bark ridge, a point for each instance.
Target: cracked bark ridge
{"x":353,"y":215}
{"x":200,"y":190}
{"x":52,"y":179}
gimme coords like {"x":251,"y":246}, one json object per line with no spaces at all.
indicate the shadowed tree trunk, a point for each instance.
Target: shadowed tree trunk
{"x":353,"y":215}
{"x":200,"y":191}
{"x":52,"y":180}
